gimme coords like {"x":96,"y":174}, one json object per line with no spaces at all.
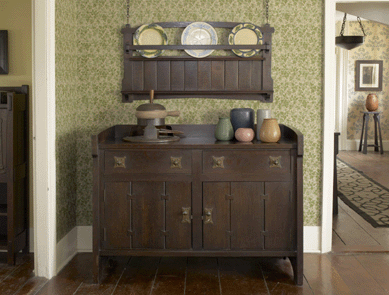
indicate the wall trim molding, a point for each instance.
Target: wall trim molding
{"x":67,"y":248}
{"x":43,"y":143}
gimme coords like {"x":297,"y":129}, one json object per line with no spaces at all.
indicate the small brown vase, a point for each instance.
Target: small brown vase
{"x":270,"y":131}
{"x":372,"y":102}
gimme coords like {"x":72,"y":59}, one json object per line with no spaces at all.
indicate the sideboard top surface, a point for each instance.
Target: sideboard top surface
{"x":195,"y":137}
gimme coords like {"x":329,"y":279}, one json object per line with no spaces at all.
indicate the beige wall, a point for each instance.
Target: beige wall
{"x":15,"y":16}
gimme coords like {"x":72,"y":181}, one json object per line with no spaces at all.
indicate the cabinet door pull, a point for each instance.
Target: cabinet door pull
{"x":120,"y":162}
{"x":185,"y":215}
{"x":208,"y":215}
{"x":275,"y":162}
{"x":218,"y":162}
{"x":175,"y":162}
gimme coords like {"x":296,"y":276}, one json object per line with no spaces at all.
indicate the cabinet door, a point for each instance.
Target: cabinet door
{"x":178,"y":215}
{"x":247,"y":215}
{"x":233,"y":215}
{"x":280,"y":216}
{"x":147,"y":215}
{"x":216,"y":216}
{"x":115,"y":220}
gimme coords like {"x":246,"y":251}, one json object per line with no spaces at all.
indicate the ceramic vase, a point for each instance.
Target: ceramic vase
{"x":244,"y":134}
{"x":242,"y":118}
{"x":372,"y":102}
{"x":270,"y":131}
{"x":224,"y":130}
{"x":262,"y":114}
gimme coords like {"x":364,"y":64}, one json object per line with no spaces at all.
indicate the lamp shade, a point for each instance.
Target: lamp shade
{"x":349,"y":42}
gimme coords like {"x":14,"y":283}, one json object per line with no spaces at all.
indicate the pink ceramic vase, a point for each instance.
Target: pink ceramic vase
{"x":244,"y":134}
{"x":270,"y":131}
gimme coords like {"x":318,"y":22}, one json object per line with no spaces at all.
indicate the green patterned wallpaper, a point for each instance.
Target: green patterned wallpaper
{"x":67,"y":104}
{"x":376,"y":47}
{"x":92,"y":100}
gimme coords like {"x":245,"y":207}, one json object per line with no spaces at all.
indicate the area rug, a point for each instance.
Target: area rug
{"x":364,"y":195}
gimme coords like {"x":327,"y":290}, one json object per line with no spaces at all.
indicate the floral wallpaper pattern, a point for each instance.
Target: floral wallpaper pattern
{"x":376,"y":47}
{"x":66,"y":114}
{"x":89,"y":82}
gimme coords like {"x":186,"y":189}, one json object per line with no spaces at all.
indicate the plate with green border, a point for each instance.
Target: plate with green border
{"x":150,"y":34}
{"x":245,"y":34}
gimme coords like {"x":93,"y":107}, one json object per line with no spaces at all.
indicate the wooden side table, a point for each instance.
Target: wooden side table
{"x":377,"y":126}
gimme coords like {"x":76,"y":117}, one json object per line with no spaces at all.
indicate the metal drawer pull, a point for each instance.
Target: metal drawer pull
{"x":275,"y":162}
{"x":218,"y":162}
{"x":208,"y":215}
{"x":185,"y":214}
{"x":175,"y":162}
{"x":120,"y":162}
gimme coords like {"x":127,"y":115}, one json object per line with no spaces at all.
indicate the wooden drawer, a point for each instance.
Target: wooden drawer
{"x":172,"y":161}
{"x":261,"y":163}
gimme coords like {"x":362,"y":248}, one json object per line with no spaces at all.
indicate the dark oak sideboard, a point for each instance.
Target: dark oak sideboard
{"x":197,"y":197}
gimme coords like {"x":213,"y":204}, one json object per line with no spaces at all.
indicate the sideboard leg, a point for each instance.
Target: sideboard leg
{"x":97,"y":269}
{"x":297,"y":264}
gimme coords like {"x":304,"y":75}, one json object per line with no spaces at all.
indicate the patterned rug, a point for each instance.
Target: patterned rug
{"x":362,"y":194}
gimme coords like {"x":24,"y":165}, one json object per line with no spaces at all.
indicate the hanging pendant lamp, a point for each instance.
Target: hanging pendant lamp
{"x":350,"y":42}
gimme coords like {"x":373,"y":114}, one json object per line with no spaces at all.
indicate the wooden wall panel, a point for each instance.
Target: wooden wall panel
{"x":163,"y":81}
{"x":137,"y":75}
{"x":232,"y":80}
{"x":190,"y":75}
{"x":150,"y":75}
{"x":217,"y":75}
{"x":245,"y":71}
{"x":204,"y":75}
{"x":177,"y":77}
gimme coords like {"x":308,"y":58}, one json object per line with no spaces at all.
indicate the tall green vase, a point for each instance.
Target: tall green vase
{"x":224,"y":130}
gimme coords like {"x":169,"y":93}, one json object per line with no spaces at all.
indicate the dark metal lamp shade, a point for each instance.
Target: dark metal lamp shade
{"x":349,"y":42}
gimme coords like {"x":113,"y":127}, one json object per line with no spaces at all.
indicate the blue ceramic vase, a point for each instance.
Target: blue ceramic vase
{"x":242,"y":118}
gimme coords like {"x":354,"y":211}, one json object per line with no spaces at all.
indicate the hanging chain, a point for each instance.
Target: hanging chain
{"x":343,"y":24}
{"x":360,"y":23}
{"x":128,"y":12}
{"x":267,"y":11}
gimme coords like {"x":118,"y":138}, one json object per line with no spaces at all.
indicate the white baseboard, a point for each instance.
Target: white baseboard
{"x":66,"y":249}
{"x":353,"y":145}
{"x":79,"y":239}
{"x":312,"y":239}
{"x":84,"y":238}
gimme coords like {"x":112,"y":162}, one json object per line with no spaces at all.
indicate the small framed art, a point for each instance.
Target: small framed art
{"x":368,"y":75}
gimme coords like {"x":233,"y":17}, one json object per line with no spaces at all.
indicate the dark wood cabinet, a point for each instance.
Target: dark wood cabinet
{"x":197,"y":197}
{"x":13,"y":170}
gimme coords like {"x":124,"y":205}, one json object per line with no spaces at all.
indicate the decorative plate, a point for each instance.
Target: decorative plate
{"x":150,"y":34}
{"x":199,"y":33}
{"x":245,"y":34}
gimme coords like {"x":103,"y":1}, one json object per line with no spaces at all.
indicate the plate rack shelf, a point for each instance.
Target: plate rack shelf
{"x":227,"y":77}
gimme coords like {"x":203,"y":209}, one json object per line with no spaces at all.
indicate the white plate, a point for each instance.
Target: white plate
{"x":245,"y":34}
{"x":150,"y":34}
{"x":199,"y":33}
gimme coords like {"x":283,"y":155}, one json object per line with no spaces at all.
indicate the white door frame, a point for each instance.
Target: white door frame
{"x":43,"y":112}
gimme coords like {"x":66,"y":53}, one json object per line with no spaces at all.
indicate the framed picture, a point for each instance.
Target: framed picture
{"x":368,"y":75}
{"x":3,"y":52}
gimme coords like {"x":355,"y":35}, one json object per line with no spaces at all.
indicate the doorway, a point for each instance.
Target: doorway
{"x":350,"y":231}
